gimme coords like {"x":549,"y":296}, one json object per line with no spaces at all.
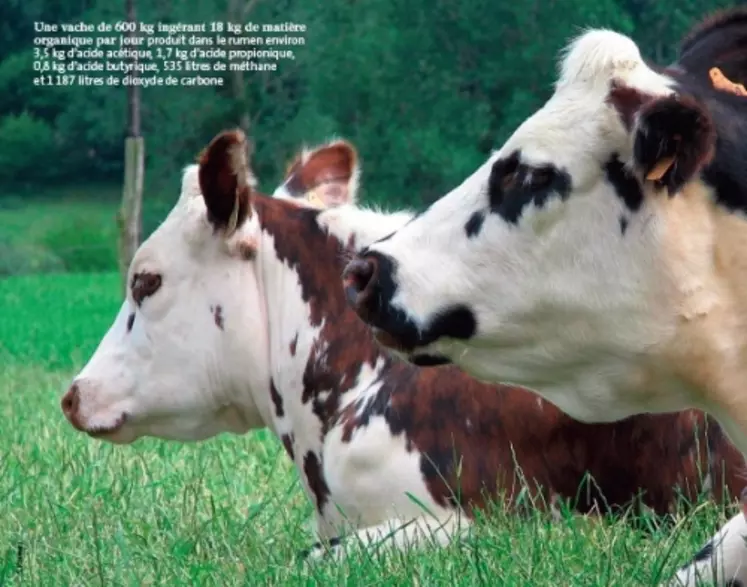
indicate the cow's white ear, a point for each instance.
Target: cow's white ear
{"x":225,"y":180}
{"x":326,"y":176}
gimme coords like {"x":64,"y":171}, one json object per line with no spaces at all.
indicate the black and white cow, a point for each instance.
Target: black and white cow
{"x":598,"y":257}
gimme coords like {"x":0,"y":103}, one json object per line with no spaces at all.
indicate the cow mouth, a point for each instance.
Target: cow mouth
{"x":104,"y":431}
{"x":416,"y":356}
{"x":429,"y":360}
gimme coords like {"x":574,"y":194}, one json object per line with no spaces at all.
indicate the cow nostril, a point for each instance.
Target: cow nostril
{"x":358,"y":277}
{"x":70,"y":401}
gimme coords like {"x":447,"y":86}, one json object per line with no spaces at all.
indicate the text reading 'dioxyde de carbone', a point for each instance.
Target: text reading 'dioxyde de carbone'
{"x":130,"y":53}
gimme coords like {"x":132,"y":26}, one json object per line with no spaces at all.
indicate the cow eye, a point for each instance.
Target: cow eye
{"x":144,"y":284}
{"x":508,"y":180}
{"x":542,"y":178}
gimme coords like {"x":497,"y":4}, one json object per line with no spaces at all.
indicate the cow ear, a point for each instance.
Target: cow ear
{"x":327,"y":176}
{"x":674,"y":138}
{"x":225,"y":180}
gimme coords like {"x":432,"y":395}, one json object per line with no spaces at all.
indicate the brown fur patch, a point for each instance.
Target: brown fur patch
{"x":345,"y":344}
{"x":627,"y":101}
{"x":224,"y":180}
{"x":479,"y":440}
{"x":292,"y":346}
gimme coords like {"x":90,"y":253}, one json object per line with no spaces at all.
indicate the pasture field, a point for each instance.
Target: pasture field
{"x":230,"y":511}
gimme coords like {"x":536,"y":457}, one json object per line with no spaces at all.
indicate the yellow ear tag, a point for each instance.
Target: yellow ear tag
{"x":723,"y":83}
{"x":314,"y":199}
{"x":660,"y":169}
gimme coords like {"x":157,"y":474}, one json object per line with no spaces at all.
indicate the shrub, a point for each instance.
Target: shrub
{"x":26,"y":148}
{"x":16,"y":259}
{"x":82,"y":245}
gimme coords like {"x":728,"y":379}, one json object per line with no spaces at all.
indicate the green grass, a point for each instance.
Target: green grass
{"x":229,"y":511}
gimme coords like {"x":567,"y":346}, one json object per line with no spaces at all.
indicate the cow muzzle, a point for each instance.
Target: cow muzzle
{"x":369,"y":286}
{"x":104,"y":427}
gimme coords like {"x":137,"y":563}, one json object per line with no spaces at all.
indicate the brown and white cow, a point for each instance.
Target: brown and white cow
{"x":235,"y":319}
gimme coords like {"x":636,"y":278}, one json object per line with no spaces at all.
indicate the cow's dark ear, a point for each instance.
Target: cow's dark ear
{"x":225,"y":180}
{"x":674,"y":138}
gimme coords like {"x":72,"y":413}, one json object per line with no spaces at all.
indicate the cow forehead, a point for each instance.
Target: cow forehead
{"x":576,"y":126}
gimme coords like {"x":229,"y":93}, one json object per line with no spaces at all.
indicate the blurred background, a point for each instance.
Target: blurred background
{"x":423,"y":88}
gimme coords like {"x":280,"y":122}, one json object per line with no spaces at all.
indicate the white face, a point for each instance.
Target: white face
{"x":186,"y":357}
{"x":544,"y":268}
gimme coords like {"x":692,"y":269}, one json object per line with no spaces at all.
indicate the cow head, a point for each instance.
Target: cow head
{"x":325,"y":176}
{"x":186,"y":357}
{"x":552,"y":265}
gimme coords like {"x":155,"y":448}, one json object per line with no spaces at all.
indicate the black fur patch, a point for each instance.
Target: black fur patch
{"x":277,"y":399}
{"x":717,"y":41}
{"x":704,"y":553}
{"x":627,"y":187}
{"x":623,"y":225}
{"x":676,"y":126}
{"x":312,"y":468}
{"x":454,"y":322}
{"x":474,"y":224}
{"x":426,"y":360}
{"x":513,"y":186}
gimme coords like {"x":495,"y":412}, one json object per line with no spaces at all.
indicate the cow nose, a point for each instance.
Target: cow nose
{"x":70,"y":405}
{"x":359,"y":280}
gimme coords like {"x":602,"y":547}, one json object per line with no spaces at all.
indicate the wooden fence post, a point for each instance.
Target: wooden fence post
{"x":130,"y":213}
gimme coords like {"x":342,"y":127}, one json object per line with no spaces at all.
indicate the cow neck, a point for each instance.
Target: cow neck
{"x":318,"y":346}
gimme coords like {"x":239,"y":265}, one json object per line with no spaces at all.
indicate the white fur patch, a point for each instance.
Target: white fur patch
{"x":726,"y":562}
